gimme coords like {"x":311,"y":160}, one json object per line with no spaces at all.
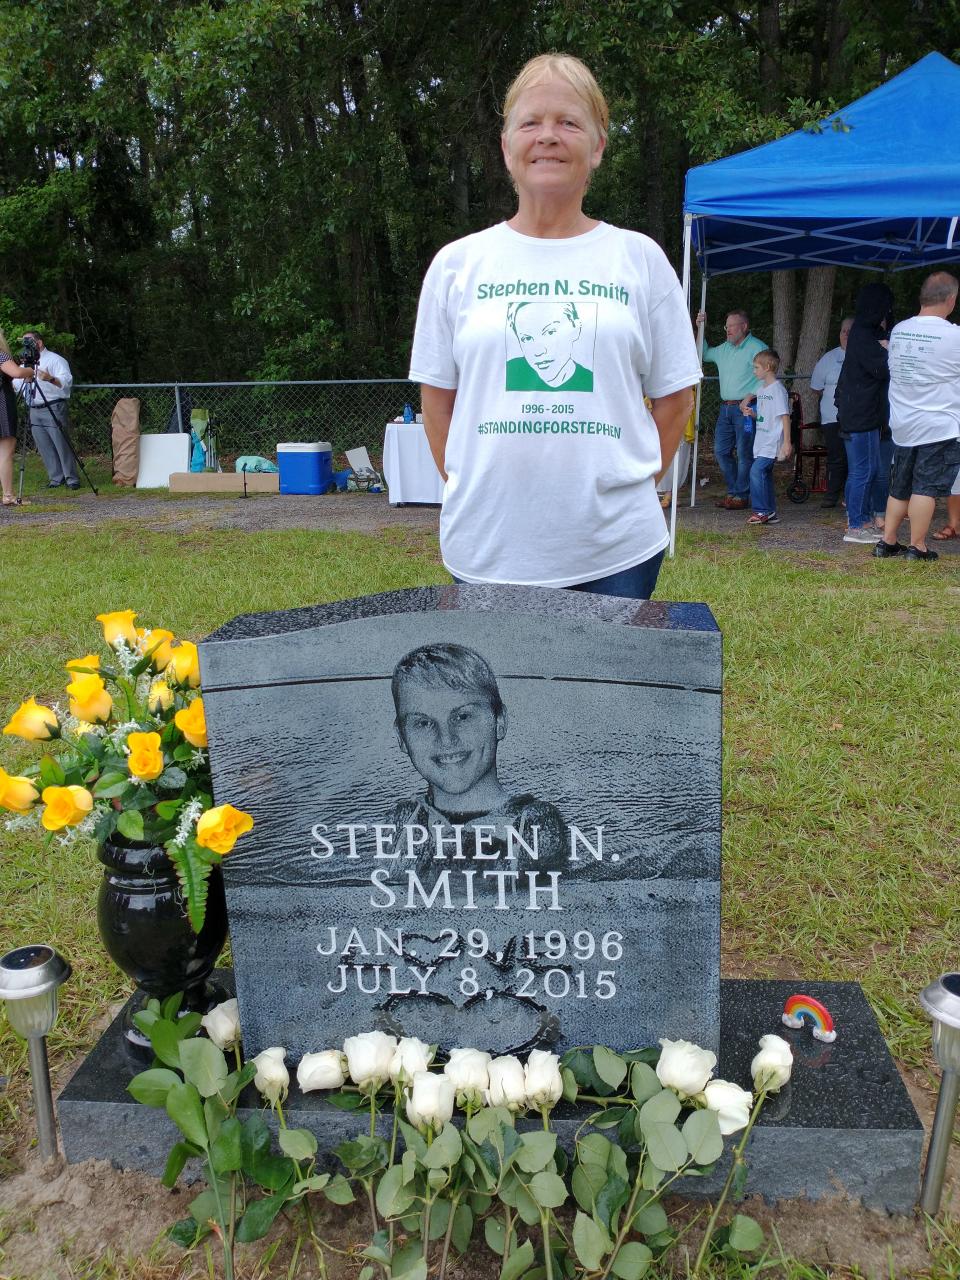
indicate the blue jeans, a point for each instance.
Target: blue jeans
{"x":863,"y":460}
{"x":637,"y":583}
{"x":880,"y":489}
{"x":761,"y":487}
{"x":732,"y":437}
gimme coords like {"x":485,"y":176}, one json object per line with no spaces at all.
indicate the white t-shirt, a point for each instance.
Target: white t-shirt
{"x":551,"y":346}
{"x":771,"y":404}
{"x":924,"y":381}
{"x":824,"y":378}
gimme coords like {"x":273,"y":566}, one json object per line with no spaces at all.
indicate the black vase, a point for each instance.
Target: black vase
{"x":144,"y":927}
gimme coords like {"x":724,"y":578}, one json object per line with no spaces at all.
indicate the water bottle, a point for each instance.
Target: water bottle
{"x":408,"y":413}
{"x":747,"y":425}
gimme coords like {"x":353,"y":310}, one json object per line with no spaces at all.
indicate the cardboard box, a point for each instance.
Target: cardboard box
{"x":224,"y":482}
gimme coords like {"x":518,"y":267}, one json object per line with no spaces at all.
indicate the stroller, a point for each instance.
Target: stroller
{"x":799,"y":490}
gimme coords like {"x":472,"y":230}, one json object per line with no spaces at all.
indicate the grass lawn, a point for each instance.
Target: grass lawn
{"x":842,"y":791}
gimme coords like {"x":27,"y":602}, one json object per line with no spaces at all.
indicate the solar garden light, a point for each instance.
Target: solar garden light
{"x":941,"y":999}
{"x":29,"y":980}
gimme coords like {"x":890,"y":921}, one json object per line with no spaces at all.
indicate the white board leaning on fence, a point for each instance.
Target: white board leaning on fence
{"x":160,"y":456}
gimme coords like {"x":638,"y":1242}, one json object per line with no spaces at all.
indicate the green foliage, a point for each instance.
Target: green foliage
{"x":200,"y":1095}
{"x":283,"y":173}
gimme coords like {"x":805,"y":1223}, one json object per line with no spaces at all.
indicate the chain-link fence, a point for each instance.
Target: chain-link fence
{"x":252,"y":417}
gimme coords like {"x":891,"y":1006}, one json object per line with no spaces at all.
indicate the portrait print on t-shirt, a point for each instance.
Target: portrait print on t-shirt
{"x":550,"y":345}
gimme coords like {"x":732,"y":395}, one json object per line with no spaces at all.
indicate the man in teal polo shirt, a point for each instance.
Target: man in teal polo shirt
{"x":733,"y":439}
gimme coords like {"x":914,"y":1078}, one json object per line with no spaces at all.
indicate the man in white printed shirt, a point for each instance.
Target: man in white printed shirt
{"x":924,"y":416}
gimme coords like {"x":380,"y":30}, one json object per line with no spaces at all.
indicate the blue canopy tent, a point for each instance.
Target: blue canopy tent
{"x":880,"y":191}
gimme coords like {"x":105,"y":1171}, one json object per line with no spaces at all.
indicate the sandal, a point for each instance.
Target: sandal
{"x":757,"y":519}
{"x":946,"y":533}
{"x":16,"y":502}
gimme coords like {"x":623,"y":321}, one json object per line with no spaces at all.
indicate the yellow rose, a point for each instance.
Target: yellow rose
{"x":218,"y":829}
{"x":192,"y":723}
{"x":89,"y":699}
{"x":92,"y":660}
{"x":119,"y":626}
{"x":66,"y":807}
{"x":184,"y":664}
{"x":33,"y":722}
{"x":16,"y":794}
{"x":146,"y":759}
{"x":160,"y":697}
{"x":157,"y":645}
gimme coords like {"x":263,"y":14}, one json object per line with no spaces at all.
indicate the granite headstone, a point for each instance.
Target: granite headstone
{"x":483,"y":816}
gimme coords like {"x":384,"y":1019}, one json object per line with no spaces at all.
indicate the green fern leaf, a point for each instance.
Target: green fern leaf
{"x":193,"y":871}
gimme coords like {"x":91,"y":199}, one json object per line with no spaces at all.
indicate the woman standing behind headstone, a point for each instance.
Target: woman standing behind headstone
{"x":536,"y":342}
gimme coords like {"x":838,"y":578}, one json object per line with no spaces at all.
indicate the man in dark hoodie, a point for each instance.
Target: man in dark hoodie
{"x":862,"y":405}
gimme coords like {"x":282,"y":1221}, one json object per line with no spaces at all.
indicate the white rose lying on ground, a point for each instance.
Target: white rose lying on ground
{"x":369,"y":1058}
{"x":542,"y":1081}
{"x":222,"y":1024}
{"x":323,"y":1070}
{"x":731,"y":1103}
{"x":272,"y":1078}
{"x":685,"y":1067}
{"x":469,"y":1069}
{"x":430,"y":1101}
{"x":772,"y":1066}
{"x":410,"y":1056}
{"x":507,"y":1086}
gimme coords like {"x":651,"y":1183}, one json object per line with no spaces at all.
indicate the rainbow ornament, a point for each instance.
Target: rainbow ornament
{"x":800,"y":1009}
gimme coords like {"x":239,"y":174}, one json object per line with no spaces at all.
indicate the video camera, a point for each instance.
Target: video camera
{"x":29,"y":353}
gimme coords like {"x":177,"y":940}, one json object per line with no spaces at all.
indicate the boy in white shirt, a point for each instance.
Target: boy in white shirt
{"x":771,"y":439}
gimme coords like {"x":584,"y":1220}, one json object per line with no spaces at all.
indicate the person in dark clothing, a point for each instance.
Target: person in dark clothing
{"x":862,"y":405}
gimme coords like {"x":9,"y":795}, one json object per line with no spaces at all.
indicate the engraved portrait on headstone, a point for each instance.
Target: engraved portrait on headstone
{"x":483,"y":817}
{"x":450,"y":721}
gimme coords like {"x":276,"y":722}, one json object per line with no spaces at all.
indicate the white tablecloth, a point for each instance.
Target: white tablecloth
{"x":408,"y":466}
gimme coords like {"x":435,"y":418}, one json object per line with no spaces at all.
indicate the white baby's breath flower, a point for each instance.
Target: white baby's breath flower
{"x":118,"y":735}
{"x":189,"y":814}
{"x":20,"y":822}
{"x":126,"y":657}
{"x":86,"y":826}
{"x":197,"y":760}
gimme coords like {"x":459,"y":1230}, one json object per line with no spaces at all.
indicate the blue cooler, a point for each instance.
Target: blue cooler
{"x":305,"y":468}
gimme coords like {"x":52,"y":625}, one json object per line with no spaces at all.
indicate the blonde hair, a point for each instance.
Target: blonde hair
{"x":768,"y":358}
{"x":560,"y":66}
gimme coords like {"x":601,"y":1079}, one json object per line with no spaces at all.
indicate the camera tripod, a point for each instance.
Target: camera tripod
{"x":29,"y":404}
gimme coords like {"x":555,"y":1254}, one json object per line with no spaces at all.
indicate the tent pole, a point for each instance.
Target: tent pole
{"x":701,"y":333}
{"x":687,"y":239}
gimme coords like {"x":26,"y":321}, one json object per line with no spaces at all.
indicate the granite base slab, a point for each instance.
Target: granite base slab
{"x":843,"y":1126}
